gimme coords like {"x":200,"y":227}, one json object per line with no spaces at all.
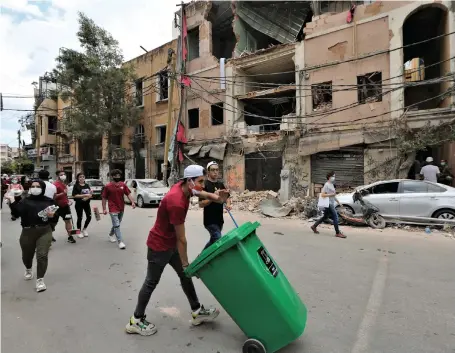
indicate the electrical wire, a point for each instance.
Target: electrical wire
{"x":320,"y":66}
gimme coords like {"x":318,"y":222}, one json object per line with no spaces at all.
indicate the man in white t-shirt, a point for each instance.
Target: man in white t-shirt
{"x":430,"y":172}
{"x":50,"y":191}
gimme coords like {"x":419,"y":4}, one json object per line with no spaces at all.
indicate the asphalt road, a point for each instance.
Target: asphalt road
{"x":376,"y":291}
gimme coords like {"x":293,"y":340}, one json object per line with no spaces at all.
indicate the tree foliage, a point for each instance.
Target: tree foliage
{"x":96,"y":84}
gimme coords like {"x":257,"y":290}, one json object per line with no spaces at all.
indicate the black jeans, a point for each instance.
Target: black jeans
{"x":157,"y":261}
{"x":332,"y":213}
{"x":39,"y":240}
{"x":83,"y":206}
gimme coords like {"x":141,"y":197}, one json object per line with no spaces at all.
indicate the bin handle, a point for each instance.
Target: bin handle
{"x":230,"y":214}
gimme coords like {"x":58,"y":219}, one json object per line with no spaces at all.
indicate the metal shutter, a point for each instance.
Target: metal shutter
{"x":347,"y":163}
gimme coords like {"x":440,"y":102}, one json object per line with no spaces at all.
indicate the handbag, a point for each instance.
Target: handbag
{"x":323,"y":202}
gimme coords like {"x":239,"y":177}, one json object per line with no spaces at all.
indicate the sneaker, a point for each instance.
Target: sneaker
{"x":121,"y":245}
{"x":313,"y":228}
{"x":80,"y":235}
{"x":40,"y":286}
{"x":204,"y":315}
{"x":140,"y":326}
{"x":71,"y":239}
{"x":85,"y":233}
{"x":112,"y":238}
{"x":28,"y":275}
{"x":341,"y":235}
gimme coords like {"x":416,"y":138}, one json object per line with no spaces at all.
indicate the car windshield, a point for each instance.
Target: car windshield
{"x":152,"y":184}
{"x":95,"y":182}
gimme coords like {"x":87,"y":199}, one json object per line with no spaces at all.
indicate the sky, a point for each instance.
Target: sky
{"x":31,"y":33}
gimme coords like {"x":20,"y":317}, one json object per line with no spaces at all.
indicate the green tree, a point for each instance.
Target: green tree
{"x":7,"y":167}
{"x":97,"y":85}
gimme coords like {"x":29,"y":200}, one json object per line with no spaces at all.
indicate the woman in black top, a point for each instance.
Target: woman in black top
{"x":82,"y":195}
{"x":36,"y":232}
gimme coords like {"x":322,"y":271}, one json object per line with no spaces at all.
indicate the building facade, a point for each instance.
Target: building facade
{"x":5,"y":153}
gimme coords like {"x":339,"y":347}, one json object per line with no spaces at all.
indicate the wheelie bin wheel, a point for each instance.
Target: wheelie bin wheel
{"x":253,"y":346}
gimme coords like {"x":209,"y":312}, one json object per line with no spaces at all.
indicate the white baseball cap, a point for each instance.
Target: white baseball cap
{"x":210,"y":164}
{"x":429,"y":159}
{"x":193,"y":171}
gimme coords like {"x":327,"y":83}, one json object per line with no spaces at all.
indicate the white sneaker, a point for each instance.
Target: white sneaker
{"x":40,"y":286}
{"x":140,"y":326}
{"x":80,"y":235}
{"x":85,"y":233}
{"x":204,"y":315}
{"x":121,"y":245}
{"x":28,"y":275}
{"x":112,"y":238}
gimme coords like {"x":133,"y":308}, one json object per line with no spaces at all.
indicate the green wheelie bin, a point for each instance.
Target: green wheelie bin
{"x":248,"y":283}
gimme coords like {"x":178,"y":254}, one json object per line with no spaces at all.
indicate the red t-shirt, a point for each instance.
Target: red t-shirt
{"x":114,"y":192}
{"x":62,"y":200}
{"x":171,"y":212}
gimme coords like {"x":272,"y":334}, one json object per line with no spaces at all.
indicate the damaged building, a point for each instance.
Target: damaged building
{"x":309,"y":93}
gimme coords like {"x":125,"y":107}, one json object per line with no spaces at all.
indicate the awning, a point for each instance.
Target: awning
{"x":217,"y":151}
{"x":194,"y":150}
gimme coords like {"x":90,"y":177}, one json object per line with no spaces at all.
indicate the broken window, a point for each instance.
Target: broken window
{"x":51,"y":124}
{"x":116,"y":140}
{"x":193,"y":44}
{"x":223,"y":38}
{"x":263,"y":113}
{"x":217,"y":114}
{"x":322,"y":95}
{"x":369,"y":87}
{"x":427,"y":60}
{"x":193,"y":118}
{"x":163,"y":81}
{"x":161,"y":134}
{"x":139,"y":92}
{"x":139,"y":136}
{"x":66,"y":146}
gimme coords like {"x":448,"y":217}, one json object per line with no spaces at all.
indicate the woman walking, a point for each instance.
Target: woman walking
{"x":82,"y":195}
{"x":328,"y":191}
{"x":36,"y":235}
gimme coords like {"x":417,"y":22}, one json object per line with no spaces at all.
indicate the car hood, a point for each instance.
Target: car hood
{"x":157,"y":190}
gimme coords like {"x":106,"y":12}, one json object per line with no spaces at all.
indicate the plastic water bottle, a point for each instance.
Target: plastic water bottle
{"x":428,"y":230}
{"x":97,"y":213}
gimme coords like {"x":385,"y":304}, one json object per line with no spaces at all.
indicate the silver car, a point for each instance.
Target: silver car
{"x":146,"y":191}
{"x":406,"y":198}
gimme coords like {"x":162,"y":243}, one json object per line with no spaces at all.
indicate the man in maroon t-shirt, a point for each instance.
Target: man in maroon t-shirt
{"x":61,"y":199}
{"x":113,"y":193}
{"x":167,"y":245}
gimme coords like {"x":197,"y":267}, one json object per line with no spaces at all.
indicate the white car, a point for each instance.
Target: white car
{"x":95,"y":184}
{"x":146,"y":191}
{"x":406,"y":198}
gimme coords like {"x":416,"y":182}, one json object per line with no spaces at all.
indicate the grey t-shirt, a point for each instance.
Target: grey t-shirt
{"x":430,"y":172}
{"x":329,"y":188}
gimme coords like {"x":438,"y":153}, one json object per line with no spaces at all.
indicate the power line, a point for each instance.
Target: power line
{"x":320,"y":66}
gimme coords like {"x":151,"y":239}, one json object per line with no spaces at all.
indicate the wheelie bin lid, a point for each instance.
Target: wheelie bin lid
{"x":224,"y":243}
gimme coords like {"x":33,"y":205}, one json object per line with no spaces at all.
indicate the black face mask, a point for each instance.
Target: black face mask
{"x":117,"y":179}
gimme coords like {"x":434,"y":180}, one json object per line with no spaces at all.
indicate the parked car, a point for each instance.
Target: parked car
{"x":406,"y":198}
{"x":146,"y":191}
{"x":95,"y":184}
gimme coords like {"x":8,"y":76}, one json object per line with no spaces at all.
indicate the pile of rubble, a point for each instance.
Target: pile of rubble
{"x":267,"y":203}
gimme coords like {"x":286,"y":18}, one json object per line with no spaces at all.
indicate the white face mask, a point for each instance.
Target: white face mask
{"x":62,"y":177}
{"x":14,"y":181}
{"x":332,"y":179}
{"x":193,"y":190}
{"x":35,"y":191}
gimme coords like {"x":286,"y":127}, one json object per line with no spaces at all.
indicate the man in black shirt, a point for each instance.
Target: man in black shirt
{"x":213,"y":211}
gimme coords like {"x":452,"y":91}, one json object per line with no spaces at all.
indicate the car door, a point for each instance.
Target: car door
{"x":414,"y":198}
{"x":385,"y":197}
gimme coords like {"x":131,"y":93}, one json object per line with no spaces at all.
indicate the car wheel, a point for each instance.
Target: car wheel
{"x":140,"y":202}
{"x":445,"y":214}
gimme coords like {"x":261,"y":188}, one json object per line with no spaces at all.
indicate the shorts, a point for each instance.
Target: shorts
{"x":64,"y":212}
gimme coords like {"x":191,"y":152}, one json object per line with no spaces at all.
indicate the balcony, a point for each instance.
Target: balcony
{"x":66,"y":159}
{"x":47,"y":157}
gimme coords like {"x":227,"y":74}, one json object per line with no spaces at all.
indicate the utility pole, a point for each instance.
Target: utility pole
{"x":19,"y":143}
{"x":171,"y":62}
{"x":37,"y":135}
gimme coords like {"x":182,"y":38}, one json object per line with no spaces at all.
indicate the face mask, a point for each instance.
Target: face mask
{"x":117,"y":179}
{"x":195,"y":189}
{"x":35,"y":191}
{"x":14,"y":181}
{"x":62,"y":177}
{"x":443,"y":164}
{"x":332,"y":179}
